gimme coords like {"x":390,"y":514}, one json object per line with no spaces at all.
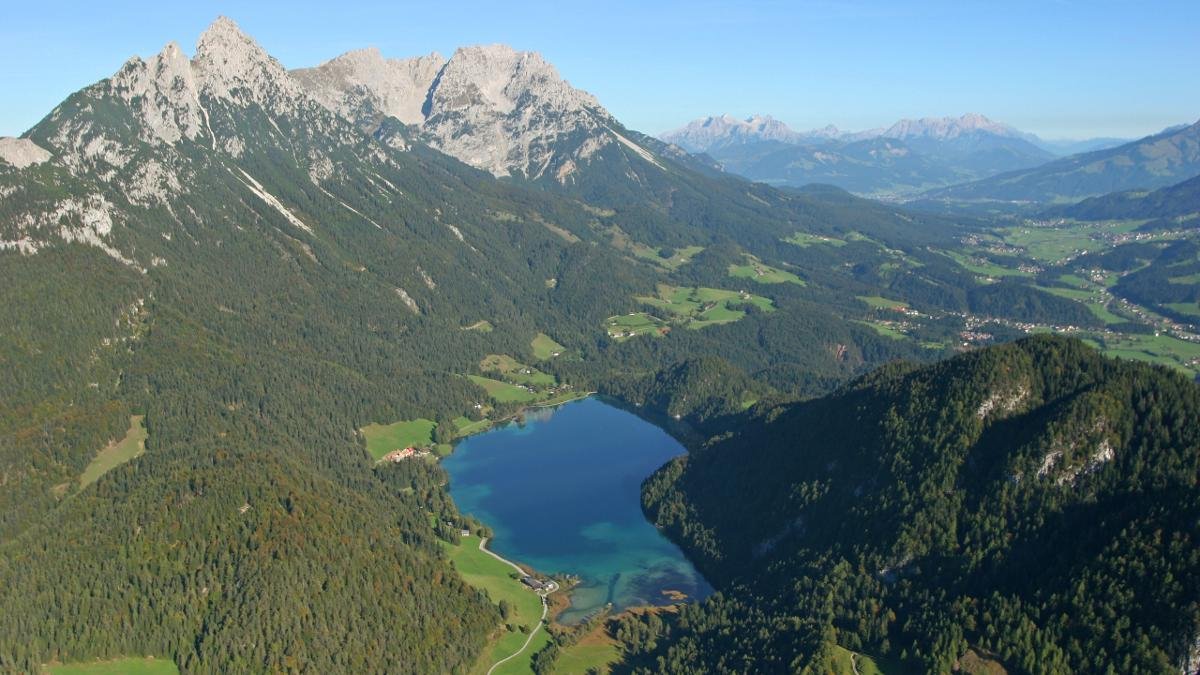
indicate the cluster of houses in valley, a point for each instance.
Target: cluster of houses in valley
{"x":402,"y":454}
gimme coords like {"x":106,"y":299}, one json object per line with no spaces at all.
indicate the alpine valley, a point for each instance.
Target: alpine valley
{"x":247,"y":309}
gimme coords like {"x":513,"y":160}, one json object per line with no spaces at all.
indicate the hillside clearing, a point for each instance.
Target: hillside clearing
{"x":116,"y":454}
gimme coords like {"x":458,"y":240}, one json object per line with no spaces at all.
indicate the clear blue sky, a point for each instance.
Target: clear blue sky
{"x":1058,"y":68}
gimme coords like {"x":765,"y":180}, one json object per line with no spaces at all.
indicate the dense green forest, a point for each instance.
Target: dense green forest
{"x":1032,"y":501}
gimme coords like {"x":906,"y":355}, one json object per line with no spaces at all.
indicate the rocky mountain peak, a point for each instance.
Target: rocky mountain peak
{"x":496,"y":76}
{"x":362,"y":84}
{"x":491,"y":106}
{"x":230,"y":65}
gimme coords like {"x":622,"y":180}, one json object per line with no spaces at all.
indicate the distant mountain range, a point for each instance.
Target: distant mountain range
{"x":1149,"y":163}
{"x":910,"y":156}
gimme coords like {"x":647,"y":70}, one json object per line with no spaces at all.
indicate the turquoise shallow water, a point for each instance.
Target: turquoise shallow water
{"x":562,"y":495}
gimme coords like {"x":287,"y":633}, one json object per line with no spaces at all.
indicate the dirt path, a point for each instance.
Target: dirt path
{"x":542,"y":595}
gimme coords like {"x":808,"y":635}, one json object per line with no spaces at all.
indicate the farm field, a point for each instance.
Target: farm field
{"x":466,"y":427}
{"x":631,"y":325}
{"x":1092,"y":299}
{"x":497,"y":579}
{"x":1161,"y":349}
{"x":384,"y":438}
{"x":806,"y":239}
{"x":982,"y":266}
{"x":503,"y":392}
{"x":122,"y":666}
{"x":877,"y":302}
{"x":595,"y":652}
{"x":116,"y":453}
{"x":1049,"y":244}
{"x":884,"y":330}
{"x":759,"y":272}
{"x":700,"y":307}
{"x":544,"y":347}
{"x":514,"y":371}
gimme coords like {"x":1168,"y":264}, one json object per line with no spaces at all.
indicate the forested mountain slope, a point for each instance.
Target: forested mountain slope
{"x":1149,"y":163}
{"x":1033,"y":501}
{"x":199,"y":243}
{"x":1173,"y":201}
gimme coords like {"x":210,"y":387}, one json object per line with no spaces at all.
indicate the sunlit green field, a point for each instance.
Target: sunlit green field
{"x":132,"y":445}
{"x":515,"y":371}
{"x":384,"y":438}
{"x":503,"y":392}
{"x":631,"y":325}
{"x":877,"y":302}
{"x":498,"y":580}
{"x":699,"y":307}
{"x":123,"y":666}
{"x":805,"y":239}
{"x":761,"y":273}
{"x":544,"y":347}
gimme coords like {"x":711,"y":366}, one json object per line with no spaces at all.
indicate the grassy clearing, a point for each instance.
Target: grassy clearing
{"x":806,"y":239}
{"x":497,"y":580}
{"x":514,"y":371}
{"x":878,"y":302}
{"x":679,"y":256}
{"x":844,"y":661}
{"x":595,"y":651}
{"x":466,"y":427}
{"x":116,"y":453}
{"x":764,"y":274}
{"x":884,"y":330}
{"x":1188,"y":308}
{"x":700,"y":307}
{"x":1094,"y":301}
{"x":483,"y":326}
{"x":544,"y":347}
{"x":384,"y":438}
{"x":503,"y":392}
{"x":622,"y":328}
{"x":983,"y":266}
{"x":124,"y":666}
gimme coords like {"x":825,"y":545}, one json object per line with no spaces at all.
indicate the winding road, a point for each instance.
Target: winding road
{"x":542,"y":594}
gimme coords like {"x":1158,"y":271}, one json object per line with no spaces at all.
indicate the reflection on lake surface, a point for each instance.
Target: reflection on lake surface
{"x":561,"y":493}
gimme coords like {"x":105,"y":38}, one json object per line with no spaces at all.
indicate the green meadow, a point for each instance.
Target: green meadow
{"x":699,"y":307}
{"x":384,"y":438}
{"x":122,"y":666}
{"x":806,"y":239}
{"x":544,"y":347}
{"x":498,"y":580}
{"x":503,"y":392}
{"x":116,"y":454}
{"x":879,"y":302}
{"x":623,"y":327}
{"x":514,"y":371}
{"x":761,"y":273}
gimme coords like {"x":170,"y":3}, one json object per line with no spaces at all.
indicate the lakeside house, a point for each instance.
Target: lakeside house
{"x":402,"y":454}
{"x":535,"y":584}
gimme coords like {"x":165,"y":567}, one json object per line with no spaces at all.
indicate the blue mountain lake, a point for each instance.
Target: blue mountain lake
{"x":561,"y":493}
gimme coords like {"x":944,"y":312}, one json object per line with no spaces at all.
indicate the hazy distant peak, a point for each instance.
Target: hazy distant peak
{"x":947,"y":128}
{"x":709,"y":133}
